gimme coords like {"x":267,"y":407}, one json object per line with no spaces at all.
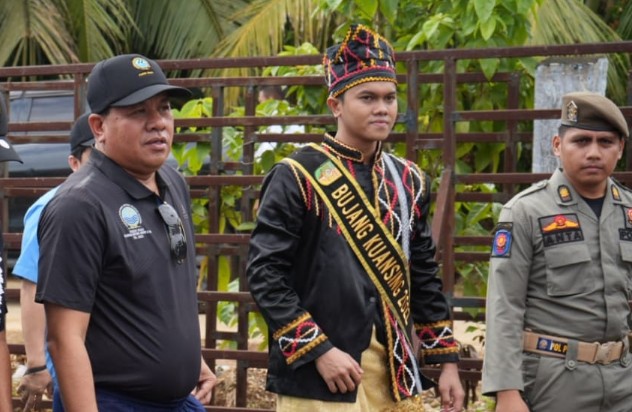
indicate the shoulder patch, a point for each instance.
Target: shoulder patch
{"x":501,"y":246}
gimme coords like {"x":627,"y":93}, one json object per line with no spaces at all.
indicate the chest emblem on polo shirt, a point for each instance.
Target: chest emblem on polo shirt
{"x":562,"y":228}
{"x":131,"y":218}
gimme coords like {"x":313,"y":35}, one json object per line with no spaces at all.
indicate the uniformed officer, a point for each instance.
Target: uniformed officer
{"x":561,"y":275}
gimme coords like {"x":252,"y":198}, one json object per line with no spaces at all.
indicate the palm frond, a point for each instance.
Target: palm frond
{"x":625,"y":22}
{"x":264,"y":28}
{"x":34,"y":31}
{"x":180,"y":29}
{"x":99,"y":27}
{"x":569,"y":22}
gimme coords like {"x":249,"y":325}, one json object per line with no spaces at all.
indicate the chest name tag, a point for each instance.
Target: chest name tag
{"x":625,"y":235}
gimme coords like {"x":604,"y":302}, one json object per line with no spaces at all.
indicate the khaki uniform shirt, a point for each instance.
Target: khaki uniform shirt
{"x":556,"y":269}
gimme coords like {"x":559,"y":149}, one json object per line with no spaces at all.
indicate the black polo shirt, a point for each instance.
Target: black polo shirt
{"x":104,"y":250}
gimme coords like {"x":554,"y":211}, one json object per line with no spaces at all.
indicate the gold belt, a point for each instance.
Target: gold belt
{"x":595,"y":352}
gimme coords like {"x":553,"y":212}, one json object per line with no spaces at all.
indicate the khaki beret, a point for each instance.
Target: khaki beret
{"x":592,"y":111}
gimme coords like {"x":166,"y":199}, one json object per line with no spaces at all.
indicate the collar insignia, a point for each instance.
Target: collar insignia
{"x":565,"y":194}
{"x":615,"y":193}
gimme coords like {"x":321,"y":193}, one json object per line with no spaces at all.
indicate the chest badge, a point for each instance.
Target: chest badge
{"x":327,"y":173}
{"x":131,"y":218}
{"x":562,"y":228}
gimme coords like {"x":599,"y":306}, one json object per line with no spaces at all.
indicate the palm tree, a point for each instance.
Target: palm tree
{"x":56,"y":31}
{"x":265,"y":23}
{"x":569,"y":22}
{"x":68,"y":31}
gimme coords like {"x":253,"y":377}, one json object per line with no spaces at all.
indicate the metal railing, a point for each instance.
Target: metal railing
{"x":214,"y":244}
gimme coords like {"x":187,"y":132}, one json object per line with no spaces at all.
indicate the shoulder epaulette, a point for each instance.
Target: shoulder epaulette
{"x":536,"y":187}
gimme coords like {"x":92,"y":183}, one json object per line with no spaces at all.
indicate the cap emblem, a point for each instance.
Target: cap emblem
{"x":140,"y":63}
{"x":571,"y":112}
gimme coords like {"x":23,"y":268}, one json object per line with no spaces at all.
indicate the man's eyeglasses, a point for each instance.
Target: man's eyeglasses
{"x":175,"y":231}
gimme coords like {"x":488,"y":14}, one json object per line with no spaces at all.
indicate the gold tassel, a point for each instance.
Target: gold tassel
{"x":412,"y":404}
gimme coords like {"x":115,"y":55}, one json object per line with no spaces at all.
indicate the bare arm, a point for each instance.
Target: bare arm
{"x":5,"y":375}
{"x":34,"y":334}
{"x":66,"y":343}
{"x":510,"y":401}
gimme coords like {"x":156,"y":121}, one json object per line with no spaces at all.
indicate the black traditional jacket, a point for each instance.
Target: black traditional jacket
{"x":313,"y":291}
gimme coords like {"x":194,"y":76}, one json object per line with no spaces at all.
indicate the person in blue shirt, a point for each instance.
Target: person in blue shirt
{"x":40,"y":374}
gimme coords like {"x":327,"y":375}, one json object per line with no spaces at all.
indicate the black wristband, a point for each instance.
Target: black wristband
{"x":36,"y":369}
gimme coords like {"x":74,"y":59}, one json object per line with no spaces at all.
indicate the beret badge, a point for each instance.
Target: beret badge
{"x":571,"y":112}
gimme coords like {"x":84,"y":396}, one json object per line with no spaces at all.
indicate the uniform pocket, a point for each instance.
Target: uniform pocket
{"x":565,"y":271}
{"x":626,"y":252}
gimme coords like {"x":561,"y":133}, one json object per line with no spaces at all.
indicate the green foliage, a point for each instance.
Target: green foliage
{"x":191,"y":158}
{"x":310,"y":99}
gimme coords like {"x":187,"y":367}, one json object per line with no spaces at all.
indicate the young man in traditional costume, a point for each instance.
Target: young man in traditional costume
{"x":342,"y":260}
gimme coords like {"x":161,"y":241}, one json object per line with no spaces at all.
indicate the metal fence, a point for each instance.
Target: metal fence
{"x":213,"y":244}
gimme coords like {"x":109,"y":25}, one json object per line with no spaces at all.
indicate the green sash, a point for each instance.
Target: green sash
{"x":373,"y":244}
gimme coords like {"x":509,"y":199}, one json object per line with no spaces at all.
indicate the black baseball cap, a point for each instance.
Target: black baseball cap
{"x":126,"y":80}
{"x":7,"y":152}
{"x":81,"y":134}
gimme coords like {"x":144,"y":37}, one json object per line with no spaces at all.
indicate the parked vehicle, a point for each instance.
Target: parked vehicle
{"x":40,"y":159}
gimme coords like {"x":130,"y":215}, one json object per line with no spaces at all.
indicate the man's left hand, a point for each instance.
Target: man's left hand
{"x":450,"y":388}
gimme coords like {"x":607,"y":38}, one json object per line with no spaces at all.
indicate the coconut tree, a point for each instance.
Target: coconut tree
{"x":266,"y":24}
{"x":56,"y":31}
{"x":67,"y":31}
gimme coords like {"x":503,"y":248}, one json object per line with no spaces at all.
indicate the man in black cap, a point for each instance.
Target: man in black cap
{"x":341,"y":260}
{"x":560,"y":276}
{"x":117,"y":257}
{"x":6,"y":154}
{"x":39,"y":376}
